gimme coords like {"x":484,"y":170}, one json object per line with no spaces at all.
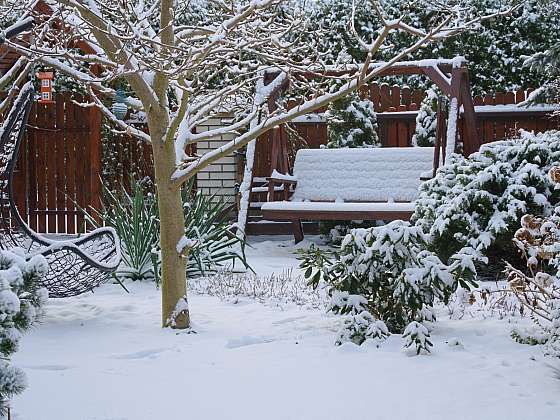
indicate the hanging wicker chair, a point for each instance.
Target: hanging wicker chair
{"x":76,"y":265}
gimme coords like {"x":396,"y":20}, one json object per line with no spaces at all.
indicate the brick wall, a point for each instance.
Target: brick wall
{"x":220,"y":177}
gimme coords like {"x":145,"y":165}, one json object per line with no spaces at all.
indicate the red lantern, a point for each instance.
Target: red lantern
{"x":46,"y":79}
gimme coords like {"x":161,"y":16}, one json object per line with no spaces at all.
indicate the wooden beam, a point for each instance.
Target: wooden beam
{"x":471,"y":142}
{"x":438,"y":78}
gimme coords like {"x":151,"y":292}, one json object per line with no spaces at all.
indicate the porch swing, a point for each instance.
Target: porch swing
{"x":368,"y":184}
{"x":76,"y":265}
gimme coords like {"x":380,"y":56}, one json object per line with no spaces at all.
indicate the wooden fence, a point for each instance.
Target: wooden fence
{"x":60,"y":167}
{"x":58,"y":171}
{"x":397,"y":110}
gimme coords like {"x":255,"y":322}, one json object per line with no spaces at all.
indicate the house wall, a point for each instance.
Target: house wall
{"x":220,"y":177}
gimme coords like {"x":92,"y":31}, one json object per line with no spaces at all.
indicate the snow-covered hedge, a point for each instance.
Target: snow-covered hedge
{"x":478,"y":201}
{"x":21,"y":302}
{"x":496,"y":51}
{"x":386,"y":274}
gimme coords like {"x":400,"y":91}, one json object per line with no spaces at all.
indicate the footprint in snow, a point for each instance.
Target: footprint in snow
{"x":48,"y":367}
{"x":247,"y":341}
{"x":143,"y":354}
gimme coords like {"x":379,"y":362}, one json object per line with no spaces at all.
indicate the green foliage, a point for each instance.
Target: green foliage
{"x":21,"y":305}
{"x":495,"y":51}
{"x":417,"y":335}
{"x":479,"y":201}
{"x":351,"y":122}
{"x":547,"y":63}
{"x":215,"y":244}
{"x":360,"y":327}
{"x":426,"y":120}
{"x":388,"y":272}
{"x":135,"y":217}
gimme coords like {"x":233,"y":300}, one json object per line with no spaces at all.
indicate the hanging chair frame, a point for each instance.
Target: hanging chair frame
{"x":76,"y":265}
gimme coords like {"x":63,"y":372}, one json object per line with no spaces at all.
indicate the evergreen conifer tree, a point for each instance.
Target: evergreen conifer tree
{"x":352,"y":122}
{"x":21,"y":302}
{"x":426,"y":120}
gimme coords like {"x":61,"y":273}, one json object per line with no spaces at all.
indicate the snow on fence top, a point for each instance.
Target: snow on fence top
{"x":366,"y":175}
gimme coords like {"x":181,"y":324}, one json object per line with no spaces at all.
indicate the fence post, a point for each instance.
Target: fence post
{"x":95,"y":122}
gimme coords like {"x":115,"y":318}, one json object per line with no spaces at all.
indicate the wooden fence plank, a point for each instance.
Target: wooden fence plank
{"x":385,"y":97}
{"x":51,"y":166}
{"x":60,"y":168}
{"x":40,"y":167}
{"x":32,"y":168}
{"x":71,"y":150}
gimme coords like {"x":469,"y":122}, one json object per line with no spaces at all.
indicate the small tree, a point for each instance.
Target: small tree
{"x":352,"y":122}
{"x":21,"y":302}
{"x":183,"y":68}
{"x":426,"y":120}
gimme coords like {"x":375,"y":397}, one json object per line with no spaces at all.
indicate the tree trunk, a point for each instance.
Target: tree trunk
{"x":175,"y":311}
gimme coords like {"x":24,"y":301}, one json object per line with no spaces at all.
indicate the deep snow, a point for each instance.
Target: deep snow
{"x":104,"y":356}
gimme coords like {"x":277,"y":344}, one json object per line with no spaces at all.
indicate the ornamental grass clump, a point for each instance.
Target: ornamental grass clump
{"x":133,"y":212}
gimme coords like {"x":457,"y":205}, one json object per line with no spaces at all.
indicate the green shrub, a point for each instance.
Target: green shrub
{"x":478,"y":201}
{"x":135,"y":217}
{"x":21,"y":305}
{"x":388,"y":272}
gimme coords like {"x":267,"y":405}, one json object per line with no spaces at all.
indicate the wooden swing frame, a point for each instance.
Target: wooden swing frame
{"x":451,"y":77}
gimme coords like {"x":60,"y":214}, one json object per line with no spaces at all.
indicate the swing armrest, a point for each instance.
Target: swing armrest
{"x":274,"y":181}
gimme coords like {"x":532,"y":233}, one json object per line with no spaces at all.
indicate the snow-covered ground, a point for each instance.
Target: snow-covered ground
{"x":104,"y":356}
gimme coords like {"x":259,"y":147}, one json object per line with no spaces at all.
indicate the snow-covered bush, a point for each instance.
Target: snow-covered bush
{"x":351,"y":122}
{"x":478,"y":202}
{"x":388,"y":272}
{"x":21,"y":304}
{"x":417,"y":335}
{"x":361,"y":327}
{"x":426,"y":120}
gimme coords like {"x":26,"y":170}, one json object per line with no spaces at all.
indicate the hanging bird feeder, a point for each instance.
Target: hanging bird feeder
{"x":46,"y":78}
{"x":120,"y":109}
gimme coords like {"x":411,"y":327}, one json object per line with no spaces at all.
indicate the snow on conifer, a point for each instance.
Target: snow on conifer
{"x":352,"y":122}
{"x":21,"y":302}
{"x":478,"y":202}
{"x":426,"y":120}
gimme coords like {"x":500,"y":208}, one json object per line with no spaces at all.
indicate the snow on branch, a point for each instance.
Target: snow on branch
{"x":186,"y":63}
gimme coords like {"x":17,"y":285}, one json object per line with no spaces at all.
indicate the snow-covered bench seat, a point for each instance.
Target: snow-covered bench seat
{"x":350,"y":184}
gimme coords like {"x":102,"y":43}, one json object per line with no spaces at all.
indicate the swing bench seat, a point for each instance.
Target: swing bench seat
{"x":76,"y":265}
{"x":349,"y":184}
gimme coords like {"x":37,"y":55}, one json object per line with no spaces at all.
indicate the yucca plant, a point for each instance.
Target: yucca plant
{"x":135,"y":217}
{"x":215,"y":244}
